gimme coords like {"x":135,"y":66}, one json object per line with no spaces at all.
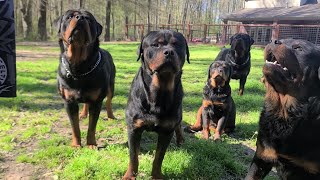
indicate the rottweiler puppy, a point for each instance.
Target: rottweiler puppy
{"x":218,"y":109}
{"x":239,"y":57}
{"x":155,"y":98}
{"x":289,"y":136}
{"x":86,"y":73}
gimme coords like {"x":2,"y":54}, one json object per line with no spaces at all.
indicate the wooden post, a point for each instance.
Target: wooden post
{"x":205,"y":29}
{"x":275,"y":31}
{"x":141,"y":27}
{"x":189,"y":33}
{"x":224,"y":39}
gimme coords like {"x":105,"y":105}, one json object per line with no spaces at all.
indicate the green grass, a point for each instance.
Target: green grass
{"x":36,"y":117}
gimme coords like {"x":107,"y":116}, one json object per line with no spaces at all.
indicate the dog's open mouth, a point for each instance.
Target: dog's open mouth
{"x":288,"y":66}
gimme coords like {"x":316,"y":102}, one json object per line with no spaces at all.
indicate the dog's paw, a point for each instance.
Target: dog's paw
{"x":92,"y":146}
{"x":77,"y":146}
{"x":83,"y":116}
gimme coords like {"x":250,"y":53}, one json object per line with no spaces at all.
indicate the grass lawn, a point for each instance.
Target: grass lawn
{"x":35,"y":134}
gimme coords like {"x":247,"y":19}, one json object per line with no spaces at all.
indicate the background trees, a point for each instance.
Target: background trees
{"x":34,"y":18}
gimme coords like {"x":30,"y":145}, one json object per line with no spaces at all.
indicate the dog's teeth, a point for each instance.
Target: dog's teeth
{"x":286,"y":69}
{"x":276,"y":62}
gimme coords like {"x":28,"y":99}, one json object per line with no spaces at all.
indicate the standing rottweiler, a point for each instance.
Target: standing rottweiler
{"x":155,"y":99}
{"x":218,"y":109}
{"x":86,"y":73}
{"x":239,"y":57}
{"x":289,"y":136}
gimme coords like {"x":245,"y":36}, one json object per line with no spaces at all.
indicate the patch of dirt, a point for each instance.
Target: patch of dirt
{"x":26,"y":55}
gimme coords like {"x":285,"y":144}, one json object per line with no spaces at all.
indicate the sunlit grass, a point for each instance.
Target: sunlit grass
{"x":37,"y":117}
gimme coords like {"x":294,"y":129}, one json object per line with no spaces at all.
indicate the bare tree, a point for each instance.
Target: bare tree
{"x":42,"y":22}
{"x":108,"y":12}
{"x":27,"y":17}
{"x":82,"y":4}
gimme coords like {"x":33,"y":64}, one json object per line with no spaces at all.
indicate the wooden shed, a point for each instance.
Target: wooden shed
{"x":264,"y":24}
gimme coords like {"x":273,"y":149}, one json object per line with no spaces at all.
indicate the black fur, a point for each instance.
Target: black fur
{"x":289,"y":124}
{"x":87,"y":81}
{"x":239,"y":57}
{"x":153,"y":103}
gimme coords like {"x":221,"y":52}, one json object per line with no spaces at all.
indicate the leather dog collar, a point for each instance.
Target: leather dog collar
{"x":74,"y":76}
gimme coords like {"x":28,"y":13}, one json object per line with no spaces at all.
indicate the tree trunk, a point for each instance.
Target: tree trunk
{"x":42,"y":22}
{"x":135,"y":21}
{"x":185,"y":12}
{"x":61,"y":7}
{"x":108,"y":12}
{"x":70,"y":4}
{"x":148,"y":20}
{"x":113,"y":36}
{"x":82,"y":2}
{"x":27,"y":17}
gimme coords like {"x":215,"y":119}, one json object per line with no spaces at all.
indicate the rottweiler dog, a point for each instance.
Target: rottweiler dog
{"x":218,"y":109}
{"x":86,"y":73}
{"x":239,"y":57}
{"x":155,"y":98}
{"x":289,"y":136}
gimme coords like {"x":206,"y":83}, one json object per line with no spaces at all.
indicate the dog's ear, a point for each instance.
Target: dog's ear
{"x":140,"y":51}
{"x":187,"y":52}
{"x":230,"y":70}
{"x":231,"y":39}
{"x":57,"y":23}
{"x":99,"y":29}
{"x":209,"y":72}
{"x":251,"y":40}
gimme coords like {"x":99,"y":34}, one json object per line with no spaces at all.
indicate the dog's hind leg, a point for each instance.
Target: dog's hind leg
{"x":94,"y":112}
{"x":109,"y":103}
{"x":197,"y":125}
{"x":84,"y":112}
{"x":163,"y":142}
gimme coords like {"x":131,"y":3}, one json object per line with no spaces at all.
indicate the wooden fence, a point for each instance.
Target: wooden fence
{"x":221,"y":33}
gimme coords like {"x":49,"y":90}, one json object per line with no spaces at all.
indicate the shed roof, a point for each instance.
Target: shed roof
{"x":309,"y":12}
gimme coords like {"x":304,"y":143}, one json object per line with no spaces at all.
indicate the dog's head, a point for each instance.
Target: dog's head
{"x":219,"y":74}
{"x":241,"y":44}
{"x":163,"y":51}
{"x":78,"y":29}
{"x":291,"y":71}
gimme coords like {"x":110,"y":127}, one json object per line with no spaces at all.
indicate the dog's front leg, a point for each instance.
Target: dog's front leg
{"x":206,"y":123}
{"x":220,"y":127}
{"x":94,"y":112}
{"x":179,"y":136}
{"x":164,"y":139}
{"x":259,"y":168}
{"x":72,"y":111}
{"x":134,"y":137}
{"x":243,"y":81}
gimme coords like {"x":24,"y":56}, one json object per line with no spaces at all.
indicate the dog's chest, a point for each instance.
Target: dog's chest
{"x":73,"y":95}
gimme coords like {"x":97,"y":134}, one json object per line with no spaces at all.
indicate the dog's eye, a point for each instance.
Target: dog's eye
{"x":155,"y":45}
{"x":69,"y":17}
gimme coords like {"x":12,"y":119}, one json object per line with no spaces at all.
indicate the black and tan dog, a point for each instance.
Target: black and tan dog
{"x":155,"y":99}
{"x":86,"y":73}
{"x":289,"y":136}
{"x":218,"y":109}
{"x":239,"y":57}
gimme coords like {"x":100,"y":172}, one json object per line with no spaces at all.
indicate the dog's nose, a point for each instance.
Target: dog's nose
{"x":79,"y":17}
{"x":277,"y":42}
{"x":168,"y":52}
